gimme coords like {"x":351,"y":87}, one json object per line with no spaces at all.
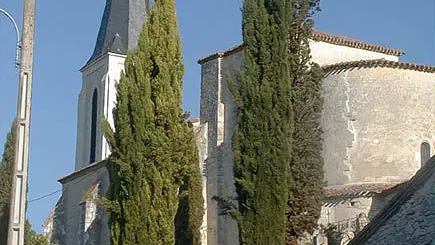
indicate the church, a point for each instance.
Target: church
{"x":378,"y":125}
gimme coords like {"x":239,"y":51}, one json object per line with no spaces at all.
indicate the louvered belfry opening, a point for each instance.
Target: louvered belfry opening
{"x":94,"y":118}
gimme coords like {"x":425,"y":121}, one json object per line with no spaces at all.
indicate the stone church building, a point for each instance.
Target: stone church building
{"x":378,"y":125}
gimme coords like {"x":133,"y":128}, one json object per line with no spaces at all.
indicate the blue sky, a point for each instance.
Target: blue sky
{"x":65,"y":37}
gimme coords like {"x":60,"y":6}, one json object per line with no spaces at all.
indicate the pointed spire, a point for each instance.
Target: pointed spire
{"x":120,"y":27}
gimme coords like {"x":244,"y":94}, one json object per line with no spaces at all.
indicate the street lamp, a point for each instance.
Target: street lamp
{"x":18,"y":45}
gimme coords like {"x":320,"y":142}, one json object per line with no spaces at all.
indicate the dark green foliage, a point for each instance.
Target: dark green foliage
{"x":6,"y":172}
{"x":154,"y":161}
{"x":277,"y":144}
{"x":6,"y":176}
{"x":190,"y":211}
{"x":32,"y":238}
{"x":306,"y":189}
{"x":262,"y":138}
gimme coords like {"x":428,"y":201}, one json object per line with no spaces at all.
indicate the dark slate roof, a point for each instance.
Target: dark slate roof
{"x":321,"y":37}
{"x":396,"y":203}
{"x":120,"y":27}
{"x":360,"y":64}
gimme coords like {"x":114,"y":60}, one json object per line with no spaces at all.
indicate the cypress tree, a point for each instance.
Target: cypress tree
{"x":6,"y":175}
{"x":154,"y":161}
{"x":262,"y":137}
{"x":306,"y":166}
{"x":277,"y":144}
{"x":32,"y":238}
{"x":6,"y":171}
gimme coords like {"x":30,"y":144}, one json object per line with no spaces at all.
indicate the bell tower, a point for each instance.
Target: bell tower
{"x":119,"y":31}
{"x":77,"y":218}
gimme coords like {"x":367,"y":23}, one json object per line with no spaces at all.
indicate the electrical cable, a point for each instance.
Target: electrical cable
{"x":45,"y":196}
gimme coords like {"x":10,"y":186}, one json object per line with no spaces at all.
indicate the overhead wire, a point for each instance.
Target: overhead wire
{"x":45,"y":196}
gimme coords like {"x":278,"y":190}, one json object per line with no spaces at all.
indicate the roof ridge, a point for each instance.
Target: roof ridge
{"x":322,"y":37}
{"x":344,"y":66}
{"x":81,"y":171}
{"x":355,"y":188}
{"x":353,"y":43}
{"x":396,"y":202}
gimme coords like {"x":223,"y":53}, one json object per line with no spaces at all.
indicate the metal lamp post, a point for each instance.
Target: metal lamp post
{"x":18,"y":44}
{"x":17,"y":211}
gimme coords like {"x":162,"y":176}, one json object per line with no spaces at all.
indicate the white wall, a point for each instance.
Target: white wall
{"x":327,"y":54}
{"x":102,"y":74}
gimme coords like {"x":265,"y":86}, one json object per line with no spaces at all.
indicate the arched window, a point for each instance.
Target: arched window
{"x":424,"y":152}
{"x":94,"y":118}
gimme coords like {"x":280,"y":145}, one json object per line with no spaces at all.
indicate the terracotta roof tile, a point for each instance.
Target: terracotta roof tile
{"x":344,"y":66}
{"x":222,"y":54}
{"x":353,"y":43}
{"x":357,"y":190}
{"x":321,"y":37}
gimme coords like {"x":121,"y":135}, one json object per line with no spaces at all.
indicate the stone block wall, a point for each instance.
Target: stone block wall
{"x":201,"y":131}
{"x":374,"y":122}
{"x":325,"y":53}
{"x":341,"y":210}
{"x":219,"y":112}
{"x":208,"y":110}
{"x":69,"y":216}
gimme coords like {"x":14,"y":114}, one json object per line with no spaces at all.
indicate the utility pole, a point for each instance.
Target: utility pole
{"x":17,"y":214}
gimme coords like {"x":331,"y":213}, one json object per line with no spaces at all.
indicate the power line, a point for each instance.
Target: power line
{"x":45,"y":196}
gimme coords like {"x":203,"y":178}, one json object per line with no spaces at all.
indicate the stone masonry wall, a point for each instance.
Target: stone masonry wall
{"x":219,"y":112}
{"x":326,"y":54}
{"x":201,"y":131}
{"x":209,"y":88}
{"x":73,"y":195}
{"x":374,"y":122}
{"x":345,"y":210}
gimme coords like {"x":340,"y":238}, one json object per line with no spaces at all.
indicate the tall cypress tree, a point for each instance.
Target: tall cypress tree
{"x":6,"y":177}
{"x":306,"y":166}
{"x":6,"y":171}
{"x":33,"y":238}
{"x":154,"y":164}
{"x":262,"y":137}
{"x":277,"y":144}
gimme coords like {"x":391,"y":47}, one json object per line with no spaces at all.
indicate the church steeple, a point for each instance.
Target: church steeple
{"x":119,"y":31}
{"x":120,"y":27}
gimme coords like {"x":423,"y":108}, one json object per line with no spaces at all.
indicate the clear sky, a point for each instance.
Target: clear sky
{"x":65,"y":37}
